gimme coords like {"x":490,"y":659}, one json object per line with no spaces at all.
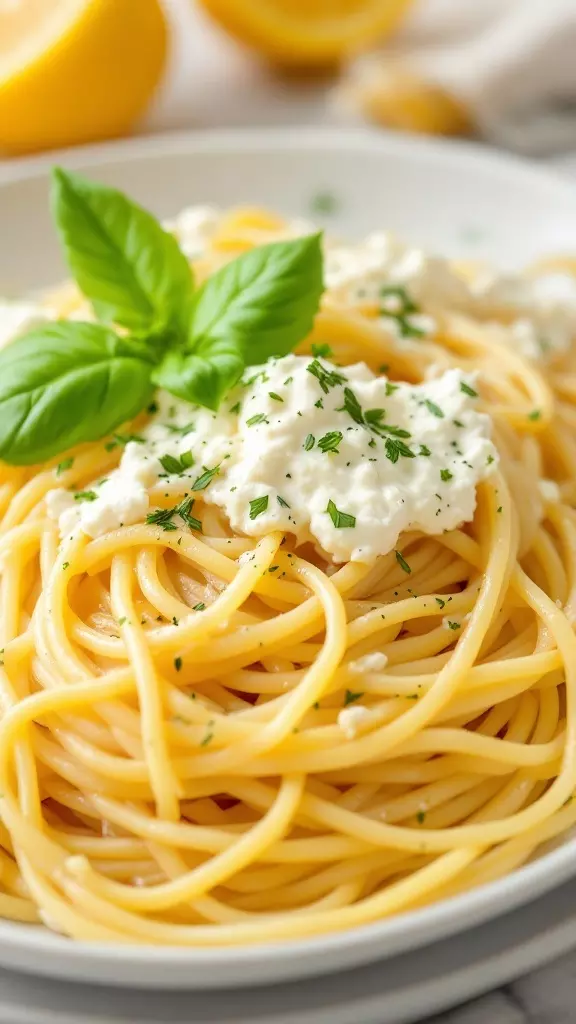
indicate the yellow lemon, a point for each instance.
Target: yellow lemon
{"x":307,"y":32}
{"x":72,"y":71}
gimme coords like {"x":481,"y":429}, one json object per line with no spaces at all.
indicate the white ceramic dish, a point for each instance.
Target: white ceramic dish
{"x":457,"y":199}
{"x":401,"y":990}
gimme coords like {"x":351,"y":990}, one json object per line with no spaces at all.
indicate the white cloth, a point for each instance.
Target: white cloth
{"x":512,"y":63}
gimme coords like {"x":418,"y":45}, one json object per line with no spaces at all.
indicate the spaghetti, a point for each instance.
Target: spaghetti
{"x":173,"y":766}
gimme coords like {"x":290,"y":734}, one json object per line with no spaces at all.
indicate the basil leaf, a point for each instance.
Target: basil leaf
{"x":66,"y":383}
{"x":131,"y":270}
{"x":199,"y":378}
{"x":264,"y":301}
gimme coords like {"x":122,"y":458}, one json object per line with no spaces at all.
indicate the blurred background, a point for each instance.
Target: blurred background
{"x":76,"y":71}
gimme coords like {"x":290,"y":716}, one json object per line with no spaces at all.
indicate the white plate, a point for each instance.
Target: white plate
{"x":401,"y":990}
{"x":458,"y":199}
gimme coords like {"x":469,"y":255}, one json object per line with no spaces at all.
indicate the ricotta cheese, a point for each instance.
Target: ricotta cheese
{"x":376,"y":661}
{"x":333,"y":455}
{"x":355,"y":718}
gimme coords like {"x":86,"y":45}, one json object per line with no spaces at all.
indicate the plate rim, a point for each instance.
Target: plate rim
{"x":319,"y":954}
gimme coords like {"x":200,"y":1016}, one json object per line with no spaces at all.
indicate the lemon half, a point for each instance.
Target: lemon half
{"x":307,"y":32}
{"x":73,"y":71}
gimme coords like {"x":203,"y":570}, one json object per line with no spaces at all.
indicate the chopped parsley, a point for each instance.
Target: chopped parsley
{"x":258,"y":418}
{"x":350,"y":697}
{"x":329,"y":443}
{"x":176,"y":465}
{"x":534,"y":415}
{"x":468,"y":390}
{"x":258,"y":506}
{"x":65,"y":565}
{"x":453,"y":625}
{"x":199,"y":607}
{"x":64,"y":465}
{"x":309,"y":442}
{"x":209,"y":735}
{"x":163,"y":516}
{"x":446,"y":475}
{"x":177,"y":664}
{"x":235,"y":408}
{"x":440,"y":602}
{"x":326,"y":378}
{"x":402,"y":562}
{"x":433,"y":408}
{"x":391,"y":388}
{"x":85,"y":496}
{"x":121,"y":440}
{"x":424,"y":450}
{"x":341,"y":520}
{"x":396,"y":448}
{"x":275,"y":396}
{"x":322,"y":351}
{"x":352,"y":406}
{"x":421,"y":817}
{"x":201,"y":483}
{"x":282,"y":501}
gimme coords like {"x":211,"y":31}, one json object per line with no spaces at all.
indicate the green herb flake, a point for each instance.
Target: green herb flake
{"x":446,"y":475}
{"x":468,"y":390}
{"x":282,"y":501}
{"x":258,"y":506}
{"x":322,"y":351}
{"x":396,"y":448}
{"x":275,"y":396}
{"x":85,"y":496}
{"x":534,"y":415}
{"x":402,"y":562}
{"x":200,"y":607}
{"x":434,"y":409}
{"x":259,"y":417}
{"x":350,"y":697}
{"x":421,"y":817}
{"x":440,"y":602}
{"x":64,"y":465}
{"x":178,"y":663}
{"x":176,"y":464}
{"x":330,"y":442}
{"x":326,"y":378}
{"x":309,"y":442}
{"x":65,"y":565}
{"x":163,"y":516}
{"x":201,"y":483}
{"x":341,"y":520}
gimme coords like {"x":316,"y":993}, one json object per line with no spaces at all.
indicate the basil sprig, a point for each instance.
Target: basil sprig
{"x":70,"y":382}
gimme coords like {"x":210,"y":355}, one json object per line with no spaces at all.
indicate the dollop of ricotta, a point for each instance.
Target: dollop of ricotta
{"x":333,"y":455}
